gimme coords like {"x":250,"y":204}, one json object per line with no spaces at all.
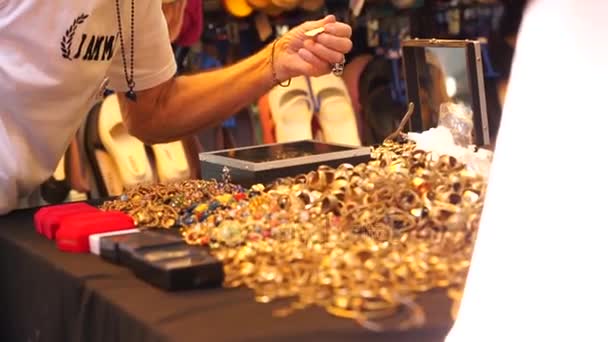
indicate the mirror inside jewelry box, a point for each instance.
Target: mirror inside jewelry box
{"x":440,"y":72}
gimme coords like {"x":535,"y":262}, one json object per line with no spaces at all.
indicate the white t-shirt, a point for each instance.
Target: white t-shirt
{"x":538,"y":271}
{"x":54,"y":58}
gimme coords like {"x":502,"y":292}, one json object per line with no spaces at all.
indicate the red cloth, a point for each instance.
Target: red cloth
{"x":192,"y":26}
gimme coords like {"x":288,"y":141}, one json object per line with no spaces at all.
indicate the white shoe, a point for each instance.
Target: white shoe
{"x":292,"y":110}
{"x":336,"y":115}
{"x":128,"y":152}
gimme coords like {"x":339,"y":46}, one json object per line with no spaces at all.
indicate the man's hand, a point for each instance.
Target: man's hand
{"x":183,"y":105}
{"x":297,"y":54}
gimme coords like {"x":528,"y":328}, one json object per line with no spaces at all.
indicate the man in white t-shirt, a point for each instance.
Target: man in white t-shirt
{"x":57,"y":57}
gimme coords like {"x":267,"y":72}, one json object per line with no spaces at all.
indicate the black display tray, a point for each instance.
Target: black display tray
{"x":266,"y":163}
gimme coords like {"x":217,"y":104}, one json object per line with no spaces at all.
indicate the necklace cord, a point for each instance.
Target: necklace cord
{"x":127,"y":69}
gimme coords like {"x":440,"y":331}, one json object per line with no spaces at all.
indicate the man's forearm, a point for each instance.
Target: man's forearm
{"x":186,"y":104}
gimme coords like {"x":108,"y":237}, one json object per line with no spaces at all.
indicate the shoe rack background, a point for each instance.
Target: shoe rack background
{"x":359,"y":108}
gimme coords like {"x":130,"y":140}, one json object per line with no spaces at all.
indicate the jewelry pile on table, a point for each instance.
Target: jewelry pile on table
{"x":161,"y":205}
{"x":361,"y":241}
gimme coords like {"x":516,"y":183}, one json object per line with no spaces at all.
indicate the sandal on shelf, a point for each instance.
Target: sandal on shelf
{"x":105,"y":172}
{"x":109,"y":175}
{"x":336,"y":115}
{"x":171,"y":162}
{"x":292,"y":110}
{"x":128,"y":152}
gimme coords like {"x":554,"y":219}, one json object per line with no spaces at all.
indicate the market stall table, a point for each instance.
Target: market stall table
{"x":48,"y":295}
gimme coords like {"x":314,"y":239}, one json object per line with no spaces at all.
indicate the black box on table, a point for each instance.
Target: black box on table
{"x":119,"y":249}
{"x":265,"y":163}
{"x":175,"y":268}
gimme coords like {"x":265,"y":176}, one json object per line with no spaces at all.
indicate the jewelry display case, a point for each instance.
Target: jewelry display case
{"x":265,"y":163}
{"x":445,"y":71}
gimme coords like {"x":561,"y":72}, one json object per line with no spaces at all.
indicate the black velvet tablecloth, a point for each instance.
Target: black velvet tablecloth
{"x":48,"y":295}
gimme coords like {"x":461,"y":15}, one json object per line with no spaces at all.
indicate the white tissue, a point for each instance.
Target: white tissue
{"x":440,"y":142}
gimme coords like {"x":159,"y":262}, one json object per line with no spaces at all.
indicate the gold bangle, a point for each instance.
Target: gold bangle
{"x":275,"y":80}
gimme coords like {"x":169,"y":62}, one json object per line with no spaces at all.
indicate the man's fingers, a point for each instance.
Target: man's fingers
{"x":325,"y":44}
{"x":323,"y":52}
{"x":311,"y":59}
{"x":338,"y":29}
{"x":339,"y":44}
{"x":316,"y":66}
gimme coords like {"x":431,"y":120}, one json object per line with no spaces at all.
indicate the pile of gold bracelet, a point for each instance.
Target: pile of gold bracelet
{"x":360,"y":241}
{"x":159,"y":205}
